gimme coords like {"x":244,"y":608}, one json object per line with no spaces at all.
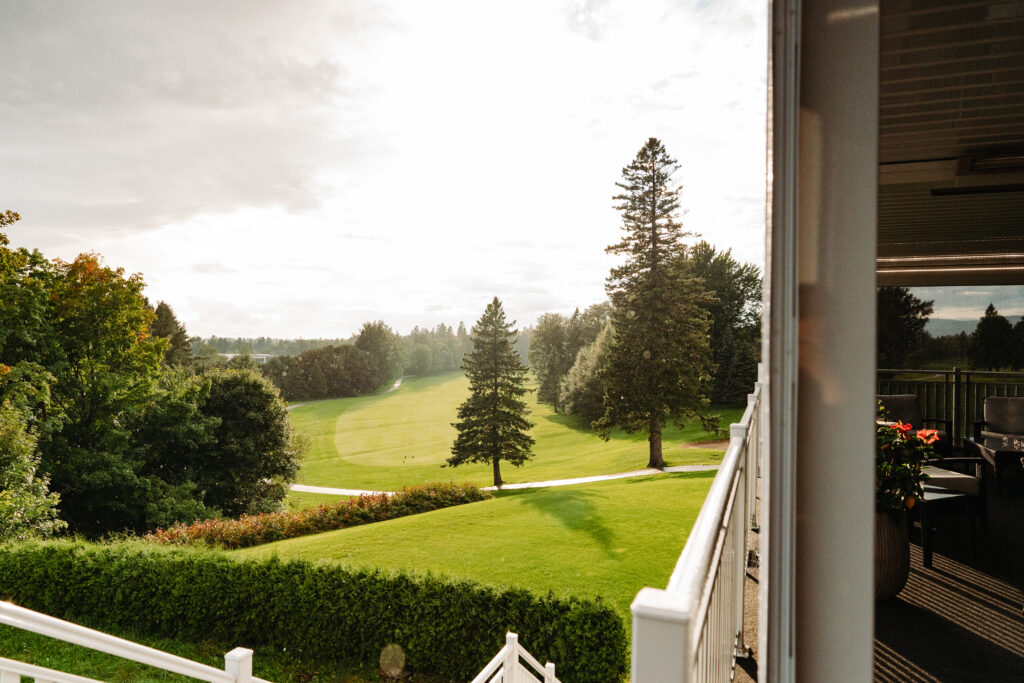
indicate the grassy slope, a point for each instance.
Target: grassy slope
{"x":391,"y":440}
{"x":607,"y":539}
{"x":268,"y":663}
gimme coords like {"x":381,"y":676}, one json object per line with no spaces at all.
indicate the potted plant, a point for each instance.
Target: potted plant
{"x":900,"y":455}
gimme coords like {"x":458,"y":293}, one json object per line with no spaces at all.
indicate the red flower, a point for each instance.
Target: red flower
{"x":929,"y":436}
{"x":904,"y":428}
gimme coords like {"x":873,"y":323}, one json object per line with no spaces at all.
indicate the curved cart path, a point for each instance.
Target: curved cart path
{"x":524,"y":485}
{"x":398,"y":383}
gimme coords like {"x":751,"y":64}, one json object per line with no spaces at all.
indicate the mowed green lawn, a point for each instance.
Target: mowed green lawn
{"x":387,"y":441}
{"x":608,"y":539}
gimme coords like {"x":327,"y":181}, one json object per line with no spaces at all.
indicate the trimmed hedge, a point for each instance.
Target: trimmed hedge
{"x":250,"y":530}
{"x":318,"y":612}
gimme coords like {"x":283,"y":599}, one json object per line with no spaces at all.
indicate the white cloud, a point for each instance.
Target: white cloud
{"x":309,"y":166}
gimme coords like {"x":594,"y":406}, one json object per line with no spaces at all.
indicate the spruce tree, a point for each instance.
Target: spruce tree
{"x":659,"y":357}
{"x":991,"y":345}
{"x":492,"y":422}
{"x":166,"y":325}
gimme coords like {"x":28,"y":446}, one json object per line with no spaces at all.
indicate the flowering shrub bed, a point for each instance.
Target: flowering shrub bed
{"x":250,"y":530}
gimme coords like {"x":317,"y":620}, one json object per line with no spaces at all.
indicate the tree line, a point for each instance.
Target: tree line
{"x":105,"y":424}
{"x":366,"y":362}
{"x":995,"y":343}
{"x":371,"y":361}
{"x":203,"y":346}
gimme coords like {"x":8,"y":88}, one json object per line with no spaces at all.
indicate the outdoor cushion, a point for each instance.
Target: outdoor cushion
{"x":1004,"y":414}
{"x":954,"y":481}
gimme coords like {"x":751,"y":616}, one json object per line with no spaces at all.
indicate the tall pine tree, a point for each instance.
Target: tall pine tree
{"x":660,"y":356}
{"x":492,"y":422}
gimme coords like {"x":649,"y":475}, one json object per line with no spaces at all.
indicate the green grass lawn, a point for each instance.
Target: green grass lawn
{"x":268,"y":663}
{"x":402,"y":438}
{"x":608,"y":539}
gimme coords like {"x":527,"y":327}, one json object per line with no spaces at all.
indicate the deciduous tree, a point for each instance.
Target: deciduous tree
{"x":734,"y":304}
{"x":385,"y":349}
{"x":492,"y":422}
{"x":27,"y":507}
{"x":659,"y":358}
{"x":581,"y":390}
{"x":254,"y":455}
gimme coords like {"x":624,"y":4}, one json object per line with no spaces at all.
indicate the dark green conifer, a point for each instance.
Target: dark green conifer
{"x":492,"y":422}
{"x":166,"y":325}
{"x":659,"y":357}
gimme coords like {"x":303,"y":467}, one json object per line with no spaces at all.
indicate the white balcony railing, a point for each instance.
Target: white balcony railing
{"x":507,"y":666}
{"x":692,"y":630}
{"x":237,"y":663}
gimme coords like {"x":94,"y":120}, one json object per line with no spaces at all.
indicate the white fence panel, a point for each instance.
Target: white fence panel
{"x":693,"y":629}
{"x":237,"y":663}
{"x":506,"y":666}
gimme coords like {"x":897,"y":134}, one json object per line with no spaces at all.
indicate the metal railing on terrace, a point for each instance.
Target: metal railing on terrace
{"x":692,"y":630}
{"x":955,"y":395}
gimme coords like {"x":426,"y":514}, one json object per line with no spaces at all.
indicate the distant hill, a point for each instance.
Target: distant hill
{"x":940,"y":327}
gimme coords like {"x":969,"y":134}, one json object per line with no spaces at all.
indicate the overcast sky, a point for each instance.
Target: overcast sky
{"x":969,"y":303}
{"x":297,"y":168}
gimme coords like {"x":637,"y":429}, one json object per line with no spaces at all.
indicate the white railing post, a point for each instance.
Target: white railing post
{"x":512,"y":659}
{"x":549,"y":673}
{"x":10,"y":677}
{"x":662,"y":637}
{"x":738,"y":433}
{"x":238,"y":663}
{"x":693,"y":630}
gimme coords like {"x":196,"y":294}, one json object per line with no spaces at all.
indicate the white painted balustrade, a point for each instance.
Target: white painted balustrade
{"x":692,"y":630}
{"x":237,"y":663}
{"x":507,"y":666}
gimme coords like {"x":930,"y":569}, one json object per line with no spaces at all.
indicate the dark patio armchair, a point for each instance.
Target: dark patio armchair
{"x":1004,"y":418}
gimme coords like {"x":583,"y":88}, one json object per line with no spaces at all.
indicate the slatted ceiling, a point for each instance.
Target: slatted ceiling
{"x":951,"y":83}
{"x":977,"y":222}
{"x":951,"y":77}
{"x":952,"y":113}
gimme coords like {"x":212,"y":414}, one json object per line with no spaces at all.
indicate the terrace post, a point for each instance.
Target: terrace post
{"x":549,"y":673}
{"x":238,"y":663}
{"x":836,"y":231}
{"x":956,"y":416}
{"x":662,"y":637}
{"x":738,"y":437}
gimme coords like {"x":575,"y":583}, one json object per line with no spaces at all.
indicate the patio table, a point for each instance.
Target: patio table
{"x":1001,"y":452}
{"x":938,"y":501}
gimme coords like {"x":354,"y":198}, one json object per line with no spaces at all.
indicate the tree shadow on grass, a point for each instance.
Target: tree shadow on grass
{"x":700,"y":474}
{"x":575,"y":510}
{"x":672,"y":433}
{"x":580,"y":425}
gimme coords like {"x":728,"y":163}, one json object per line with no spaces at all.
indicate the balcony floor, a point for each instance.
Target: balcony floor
{"x":960,"y":620}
